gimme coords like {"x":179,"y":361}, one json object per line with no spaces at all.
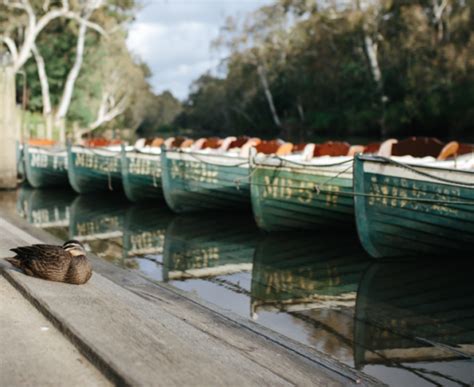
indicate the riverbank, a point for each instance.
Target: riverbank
{"x":136,"y":331}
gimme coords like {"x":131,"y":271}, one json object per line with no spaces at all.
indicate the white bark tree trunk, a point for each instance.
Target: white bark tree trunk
{"x":34,"y":26}
{"x":268,"y":94}
{"x":47,"y":110}
{"x":73,"y":75}
{"x":109,"y":109}
{"x":439,"y":7}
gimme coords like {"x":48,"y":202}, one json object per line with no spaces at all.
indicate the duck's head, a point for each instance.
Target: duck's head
{"x":74,"y":247}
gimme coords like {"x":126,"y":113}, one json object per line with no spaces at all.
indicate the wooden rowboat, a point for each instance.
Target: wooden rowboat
{"x":204,"y":178}
{"x":141,"y":174}
{"x":94,"y":169}
{"x":305,"y":190}
{"x":45,"y":166}
{"x":412,"y":208}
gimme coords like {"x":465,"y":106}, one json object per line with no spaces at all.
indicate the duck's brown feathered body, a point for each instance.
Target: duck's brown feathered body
{"x":54,"y":263}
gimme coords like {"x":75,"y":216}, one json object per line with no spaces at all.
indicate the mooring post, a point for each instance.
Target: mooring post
{"x":8,"y":126}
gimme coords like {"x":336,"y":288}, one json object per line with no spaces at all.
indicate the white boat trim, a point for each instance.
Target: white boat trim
{"x":210,"y":271}
{"x":100,"y":236}
{"x":209,"y":158}
{"x":385,"y":169}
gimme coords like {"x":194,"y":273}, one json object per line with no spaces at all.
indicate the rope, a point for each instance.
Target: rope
{"x":309,"y":164}
{"x":112,"y":153}
{"x":316,"y":189}
{"x":109,"y":178}
{"x":193,"y":155}
{"x":426,"y":174}
{"x":317,"y":186}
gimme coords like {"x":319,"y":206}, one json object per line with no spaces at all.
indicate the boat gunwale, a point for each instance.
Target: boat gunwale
{"x":385,"y":160}
{"x":313,"y":171}
{"x":243,"y":162}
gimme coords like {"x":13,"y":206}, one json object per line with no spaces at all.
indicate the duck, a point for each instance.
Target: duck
{"x":67,"y":263}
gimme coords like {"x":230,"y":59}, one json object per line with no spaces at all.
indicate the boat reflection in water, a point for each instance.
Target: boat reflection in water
{"x":98,"y":222}
{"x":313,"y":277}
{"x":417,"y":316}
{"x":198,"y":246}
{"x":210,"y":255}
{"x":46,"y":208}
{"x":144,"y":237}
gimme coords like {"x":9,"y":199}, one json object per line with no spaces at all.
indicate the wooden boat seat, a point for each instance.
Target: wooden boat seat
{"x":157,"y":142}
{"x":308,"y":152}
{"x":178,"y":141}
{"x":239,"y":142}
{"x":169,"y":142}
{"x":245,"y":150}
{"x":385,"y":148}
{"x":449,"y":150}
{"x":331,"y":148}
{"x":269,"y":147}
{"x":284,"y":149}
{"x":299,"y":147}
{"x":198,"y":144}
{"x":417,"y":147}
{"x":186,"y":143}
{"x":212,"y":143}
{"x":354,"y":149}
{"x":140,"y":143}
{"x":372,"y":147}
{"x":465,"y":148}
{"x":41,"y":142}
{"x":225,"y":144}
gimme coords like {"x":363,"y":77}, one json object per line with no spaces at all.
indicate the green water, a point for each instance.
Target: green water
{"x":407,"y":323}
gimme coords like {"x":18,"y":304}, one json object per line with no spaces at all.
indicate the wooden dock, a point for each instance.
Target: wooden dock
{"x":138,"y":332}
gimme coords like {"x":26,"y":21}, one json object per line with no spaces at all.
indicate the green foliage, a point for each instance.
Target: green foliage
{"x":321,"y":79}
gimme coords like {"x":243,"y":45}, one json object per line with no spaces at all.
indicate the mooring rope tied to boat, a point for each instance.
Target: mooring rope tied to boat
{"x":318,"y":190}
{"x":194,"y":155}
{"x":283,"y":160}
{"x":98,"y":152}
{"x":426,"y":174}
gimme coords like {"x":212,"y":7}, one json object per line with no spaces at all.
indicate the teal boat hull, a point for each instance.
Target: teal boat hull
{"x":413,"y":211}
{"x":197,"y":182}
{"x":416,"y":312}
{"x":45,"y":208}
{"x":93,"y":170}
{"x":145,"y":229}
{"x":290,"y":197}
{"x":97,"y":217}
{"x":302,"y":271}
{"x":210,"y":246}
{"x":45,"y":167}
{"x":141,"y":176}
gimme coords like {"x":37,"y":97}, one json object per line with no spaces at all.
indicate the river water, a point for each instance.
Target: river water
{"x":408,"y":322}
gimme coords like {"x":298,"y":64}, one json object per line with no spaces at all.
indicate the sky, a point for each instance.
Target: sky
{"x":174,"y":36}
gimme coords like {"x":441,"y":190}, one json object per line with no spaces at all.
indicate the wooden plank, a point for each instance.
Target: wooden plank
{"x":37,"y":352}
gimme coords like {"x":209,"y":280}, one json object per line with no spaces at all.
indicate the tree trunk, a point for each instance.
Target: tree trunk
{"x":268,"y":94}
{"x":73,"y":74}
{"x":371,"y":49}
{"x":108,"y":110}
{"x":438,"y":10}
{"x":47,"y":111}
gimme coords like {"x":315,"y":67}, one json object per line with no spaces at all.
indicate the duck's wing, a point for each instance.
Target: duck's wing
{"x":45,"y":253}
